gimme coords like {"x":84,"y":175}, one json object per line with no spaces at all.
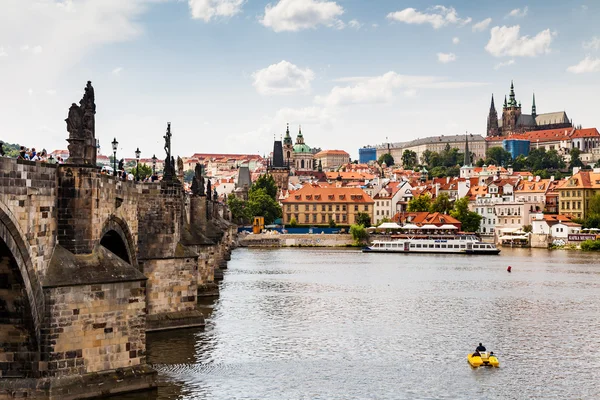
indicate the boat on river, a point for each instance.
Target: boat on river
{"x":455,"y":244}
{"x":483,"y":360}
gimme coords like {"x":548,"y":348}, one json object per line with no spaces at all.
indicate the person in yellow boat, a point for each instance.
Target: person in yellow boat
{"x":480,"y":348}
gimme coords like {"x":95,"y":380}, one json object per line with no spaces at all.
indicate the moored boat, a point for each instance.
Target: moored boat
{"x":456,"y":244}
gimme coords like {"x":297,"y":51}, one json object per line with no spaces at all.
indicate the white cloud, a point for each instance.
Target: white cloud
{"x":295,"y":15}
{"x":282,"y":78}
{"x":381,"y":89}
{"x":482,"y":25}
{"x":117,"y":71}
{"x":588,"y":64}
{"x":505,"y":41}
{"x":208,"y":9}
{"x":455,"y":40}
{"x":518,"y":13}
{"x":445,"y":58}
{"x":375,"y":25}
{"x":355,"y":24}
{"x":438,"y":17}
{"x":504,"y":64}
{"x":592,"y":44}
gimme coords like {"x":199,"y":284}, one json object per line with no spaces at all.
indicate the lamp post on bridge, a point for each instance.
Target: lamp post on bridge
{"x":137,"y":164}
{"x":154,"y":164}
{"x":115,"y":144}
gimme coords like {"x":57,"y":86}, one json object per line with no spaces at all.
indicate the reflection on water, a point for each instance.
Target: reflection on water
{"x":339,"y":324}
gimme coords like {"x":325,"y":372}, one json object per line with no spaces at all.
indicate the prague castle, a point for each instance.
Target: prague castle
{"x":513,"y":121}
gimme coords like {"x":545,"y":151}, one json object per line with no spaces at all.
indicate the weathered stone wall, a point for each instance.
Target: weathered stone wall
{"x":172,"y":284}
{"x":94,"y":328}
{"x":309,"y":240}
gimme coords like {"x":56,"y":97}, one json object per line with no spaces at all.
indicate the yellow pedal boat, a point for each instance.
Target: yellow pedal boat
{"x":484,"y":359}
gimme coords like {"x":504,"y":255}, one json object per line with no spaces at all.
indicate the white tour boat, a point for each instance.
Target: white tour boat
{"x":459,"y":244}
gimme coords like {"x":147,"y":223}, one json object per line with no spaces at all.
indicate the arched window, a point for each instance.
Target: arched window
{"x":302,"y":164}
{"x":288,"y":155}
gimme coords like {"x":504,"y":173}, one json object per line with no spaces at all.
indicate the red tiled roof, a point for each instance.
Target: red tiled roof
{"x":319,"y":194}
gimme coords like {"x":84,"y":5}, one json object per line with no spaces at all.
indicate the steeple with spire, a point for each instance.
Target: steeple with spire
{"x":533,"y":109}
{"x":512,"y":102}
{"x":492,"y":122}
{"x":467,"y":152}
{"x":288,"y":146}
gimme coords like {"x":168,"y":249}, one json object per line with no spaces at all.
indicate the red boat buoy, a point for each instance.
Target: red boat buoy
{"x":509,"y":268}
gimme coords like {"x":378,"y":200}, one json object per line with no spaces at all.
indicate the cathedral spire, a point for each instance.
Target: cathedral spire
{"x":492,"y":122}
{"x":512,"y":101}
{"x":467,"y":152}
{"x":505,"y":103}
{"x":533,"y":109}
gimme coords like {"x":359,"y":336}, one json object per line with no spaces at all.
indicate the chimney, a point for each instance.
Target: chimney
{"x":552,"y":178}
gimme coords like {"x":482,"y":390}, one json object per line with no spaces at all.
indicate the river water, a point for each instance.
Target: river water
{"x":340,"y":324}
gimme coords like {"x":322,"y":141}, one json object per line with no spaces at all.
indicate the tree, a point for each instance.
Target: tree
{"x":188,"y":176}
{"x":575,"y":158}
{"x":267,"y":183}
{"x":594,"y":205}
{"x":480,"y":163}
{"x":497,"y":156}
{"x":240,"y":213}
{"x":527,"y":228}
{"x":293,"y":223}
{"x":470,"y":220}
{"x":261,"y":204}
{"x":143,"y":172}
{"x":519,"y":163}
{"x":409,"y":159}
{"x":438,"y":172}
{"x":442,"y":204}
{"x":387,"y":159}
{"x":427,"y":157}
{"x":363,"y":219}
{"x":332,"y":223}
{"x":420,"y":203}
{"x":359,"y":233}
{"x":453,"y":171}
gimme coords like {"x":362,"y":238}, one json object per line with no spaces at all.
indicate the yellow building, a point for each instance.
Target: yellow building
{"x":575,"y":193}
{"x":332,"y":159}
{"x":314,"y":204}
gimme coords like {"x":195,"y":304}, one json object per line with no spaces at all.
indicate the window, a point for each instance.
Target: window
{"x":288,"y":217}
{"x":314,"y":217}
{"x":377,"y":212}
{"x":330,"y":208}
{"x":306,"y":218}
{"x":314,"y":207}
{"x":366,"y":207}
{"x":337,"y":207}
{"x":323,"y":207}
{"x":579,"y":205}
{"x":306,"y":207}
{"x":356,"y":207}
{"x":343,"y":207}
{"x":289,"y":207}
{"x":344,"y":218}
{"x":323,"y":218}
{"x":295,"y":207}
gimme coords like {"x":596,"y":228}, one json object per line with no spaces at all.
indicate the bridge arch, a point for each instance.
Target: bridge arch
{"x":117,"y":237}
{"x":21,"y":298}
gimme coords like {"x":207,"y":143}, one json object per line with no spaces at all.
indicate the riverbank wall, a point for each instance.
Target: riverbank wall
{"x":292,"y":240}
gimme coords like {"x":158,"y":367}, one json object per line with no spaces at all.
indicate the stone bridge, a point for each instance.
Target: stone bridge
{"x":88,"y":265}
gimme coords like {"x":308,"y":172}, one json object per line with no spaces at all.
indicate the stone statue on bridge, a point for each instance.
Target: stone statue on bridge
{"x":179,"y":168}
{"x":81,"y":125}
{"x":198,"y":181}
{"x":169,"y":168}
{"x":208,"y":190}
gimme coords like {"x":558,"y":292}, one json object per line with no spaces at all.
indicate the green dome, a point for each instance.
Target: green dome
{"x":301,"y":148}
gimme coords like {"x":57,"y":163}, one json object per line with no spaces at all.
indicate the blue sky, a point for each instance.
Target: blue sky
{"x":229,"y":74}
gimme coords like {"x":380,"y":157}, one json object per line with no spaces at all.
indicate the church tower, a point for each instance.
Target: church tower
{"x":492,"y":122}
{"x":288,"y":147}
{"x":511,"y":113}
{"x":533,"y":108}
